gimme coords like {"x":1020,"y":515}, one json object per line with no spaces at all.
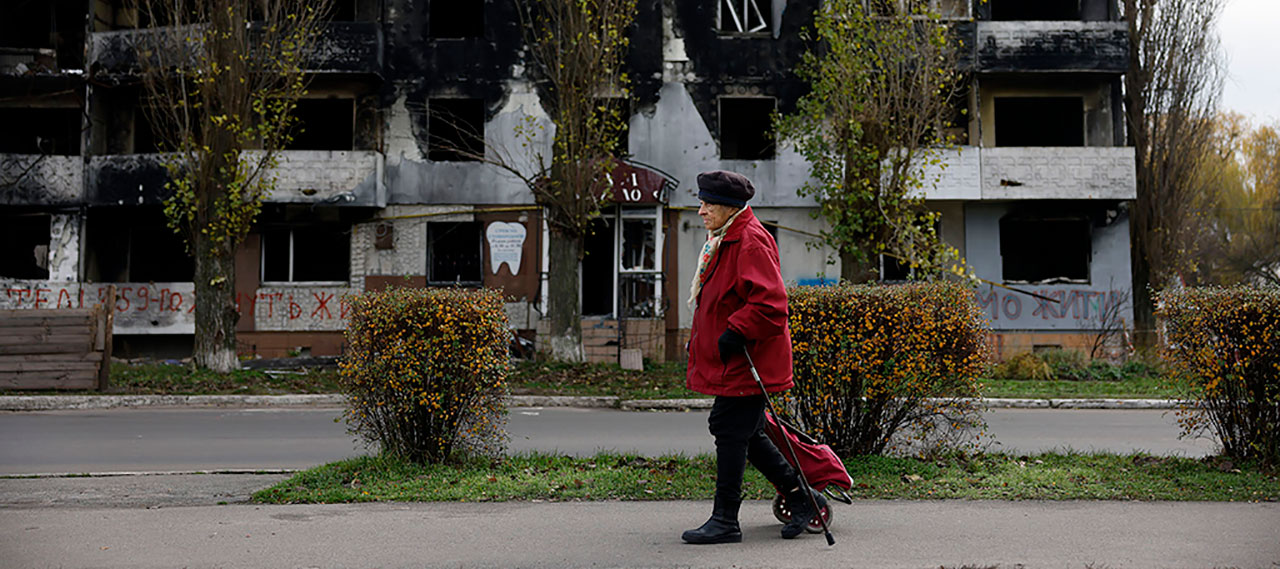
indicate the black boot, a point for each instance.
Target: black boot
{"x":722,"y":527}
{"x":801,"y":511}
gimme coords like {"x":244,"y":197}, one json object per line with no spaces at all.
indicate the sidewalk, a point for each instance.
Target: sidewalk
{"x":879,"y":534}
{"x":63,"y":402}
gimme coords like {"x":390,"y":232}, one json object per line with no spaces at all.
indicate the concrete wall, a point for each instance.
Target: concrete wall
{"x":35,"y":179}
{"x":1078,"y":306}
{"x":1027,"y":173}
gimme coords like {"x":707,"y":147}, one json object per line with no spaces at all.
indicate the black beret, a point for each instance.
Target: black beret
{"x":723,"y":187}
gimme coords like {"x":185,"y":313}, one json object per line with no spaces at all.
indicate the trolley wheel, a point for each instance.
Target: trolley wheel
{"x":783,"y":514}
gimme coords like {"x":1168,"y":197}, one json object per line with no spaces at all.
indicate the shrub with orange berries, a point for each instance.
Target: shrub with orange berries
{"x":1224,"y":344}
{"x":426,"y":371}
{"x":888,"y":368}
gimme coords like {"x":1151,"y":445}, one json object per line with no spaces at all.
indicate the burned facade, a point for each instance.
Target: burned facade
{"x":379,"y":187}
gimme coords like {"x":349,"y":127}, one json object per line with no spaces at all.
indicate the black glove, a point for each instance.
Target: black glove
{"x":731,"y":343}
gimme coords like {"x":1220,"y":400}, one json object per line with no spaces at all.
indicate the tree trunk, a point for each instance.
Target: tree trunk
{"x":216,"y":315}
{"x":1144,"y":319}
{"x":564,"y":341}
{"x":856,"y":271}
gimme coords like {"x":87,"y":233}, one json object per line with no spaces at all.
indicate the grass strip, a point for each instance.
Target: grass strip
{"x":628,"y":477}
{"x":167,"y":379}
{"x":1138,"y":387}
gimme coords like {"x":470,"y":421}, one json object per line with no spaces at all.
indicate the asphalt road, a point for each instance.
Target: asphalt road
{"x":185,"y":439}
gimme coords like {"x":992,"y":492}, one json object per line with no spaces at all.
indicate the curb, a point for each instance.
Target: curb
{"x":82,"y":402}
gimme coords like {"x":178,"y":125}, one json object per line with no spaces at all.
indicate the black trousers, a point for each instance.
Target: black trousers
{"x":737,"y":423}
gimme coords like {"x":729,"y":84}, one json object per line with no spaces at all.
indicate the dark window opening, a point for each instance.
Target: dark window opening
{"x":614,"y":113}
{"x":1006,"y":10}
{"x":598,"y":265}
{"x":894,"y":269}
{"x":451,"y":19}
{"x":745,"y":16}
{"x":746,"y":128}
{"x":1039,"y":121}
{"x":456,"y":128}
{"x":320,"y":253}
{"x":158,"y":255}
{"x":40,"y":131}
{"x":1039,"y":250}
{"x":324,"y":124}
{"x":144,"y":135}
{"x":343,"y":11}
{"x":25,"y":254}
{"x":45,"y":35}
{"x":454,"y":252}
{"x":135,"y":246}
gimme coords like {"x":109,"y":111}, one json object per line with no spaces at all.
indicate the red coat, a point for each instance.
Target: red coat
{"x":743,"y":291}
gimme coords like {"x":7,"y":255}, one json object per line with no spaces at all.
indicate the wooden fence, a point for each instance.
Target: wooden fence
{"x":56,"y":348}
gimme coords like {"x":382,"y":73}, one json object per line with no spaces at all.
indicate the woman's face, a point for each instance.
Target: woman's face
{"x":714,"y":215}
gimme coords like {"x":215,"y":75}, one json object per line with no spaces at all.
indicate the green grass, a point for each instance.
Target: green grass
{"x":1138,"y":387}
{"x":657,"y":381}
{"x":628,"y":477}
{"x":164,"y":379}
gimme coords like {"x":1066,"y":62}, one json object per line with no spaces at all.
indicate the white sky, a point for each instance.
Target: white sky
{"x":1250,"y":31}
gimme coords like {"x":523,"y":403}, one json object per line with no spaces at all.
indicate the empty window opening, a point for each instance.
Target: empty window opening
{"x":614,"y":114}
{"x":456,"y":128}
{"x":1042,"y":10}
{"x":456,"y":19}
{"x":144,"y":135}
{"x":746,"y":128}
{"x":1039,"y":121}
{"x":893,"y":269}
{"x":47,"y":35}
{"x":454,"y":252}
{"x":40,"y":131}
{"x":598,"y":269}
{"x":1040,"y":250}
{"x":25,"y":254}
{"x":158,"y":255}
{"x":745,"y":16}
{"x":320,"y":253}
{"x":324,"y":124}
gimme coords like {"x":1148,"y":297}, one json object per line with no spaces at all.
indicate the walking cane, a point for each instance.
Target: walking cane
{"x":795,"y":461}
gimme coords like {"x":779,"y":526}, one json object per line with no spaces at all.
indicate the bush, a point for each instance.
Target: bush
{"x":426,"y":372}
{"x":1065,"y":364}
{"x":1224,"y":347}
{"x":887,"y":368}
{"x":1026,"y":365}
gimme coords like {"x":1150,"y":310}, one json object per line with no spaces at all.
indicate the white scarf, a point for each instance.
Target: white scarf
{"x":709,"y":249}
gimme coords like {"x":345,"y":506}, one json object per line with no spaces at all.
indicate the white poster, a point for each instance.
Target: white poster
{"x":506,"y":242}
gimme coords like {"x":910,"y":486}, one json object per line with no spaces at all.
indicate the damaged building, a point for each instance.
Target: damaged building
{"x":379,"y":189}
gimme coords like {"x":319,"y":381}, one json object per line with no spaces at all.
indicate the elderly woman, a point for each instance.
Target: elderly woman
{"x":740,"y":304}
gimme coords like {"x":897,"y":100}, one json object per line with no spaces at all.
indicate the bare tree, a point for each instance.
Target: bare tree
{"x":884,"y":85}
{"x":1171,"y":96}
{"x":222,"y":78}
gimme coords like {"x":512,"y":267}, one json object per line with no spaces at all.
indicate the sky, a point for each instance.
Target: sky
{"x":1250,"y":32}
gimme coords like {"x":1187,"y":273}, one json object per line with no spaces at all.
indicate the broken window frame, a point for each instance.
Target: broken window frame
{"x":292,"y":231}
{"x":617,"y":216}
{"x":735,"y":24}
{"x":431,"y":253}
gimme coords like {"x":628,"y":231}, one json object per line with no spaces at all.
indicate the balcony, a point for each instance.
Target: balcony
{"x":37,"y":179}
{"x":1073,"y":173}
{"x":1058,"y":46}
{"x":344,"y":47}
{"x":322,"y":177}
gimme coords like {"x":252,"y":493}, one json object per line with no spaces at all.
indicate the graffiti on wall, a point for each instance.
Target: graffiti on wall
{"x":1074,"y":307}
{"x":169,"y":308}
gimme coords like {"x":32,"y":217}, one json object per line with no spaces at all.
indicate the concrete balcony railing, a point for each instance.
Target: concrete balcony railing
{"x":1071,"y":173}
{"x":37,"y":179}
{"x":1097,"y":47}
{"x":321,"y":177}
{"x":344,"y":47}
